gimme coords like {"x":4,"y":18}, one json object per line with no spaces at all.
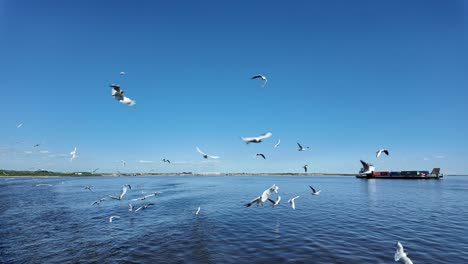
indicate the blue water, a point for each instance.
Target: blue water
{"x":351,"y":221}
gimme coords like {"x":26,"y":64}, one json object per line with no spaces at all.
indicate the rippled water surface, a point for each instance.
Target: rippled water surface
{"x":51,"y":220}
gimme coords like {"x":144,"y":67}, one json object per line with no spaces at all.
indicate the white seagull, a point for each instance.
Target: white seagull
{"x":19,"y":125}
{"x":292,"y":203}
{"x":256,"y":139}
{"x":123,"y":163}
{"x":147,"y":196}
{"x":258,"y":76}
{"x":301,"y":148}
{"x":118,"y":94}
{"x":314,"y":192}
{"x":197,"y":212}
{"x":99,"y":201}
{"x":130,"y":207}
{"x":277,"y":143}
{"x":400,"y":254}
{"x":378,"y":153}
{"x":261,"y":155}
{"x":144,"y":207}
{"x":275,"y":202}
{"x":122,"y":73}
{"x":73,"y":154}
{"x":265,"y":195}
{"x":366,"y":167}
{"x":112,"y":218}
{"x":257,"y":201}
{"x":206,"y":155}
{"x":125,"y":187}
{"x":305,"y":167}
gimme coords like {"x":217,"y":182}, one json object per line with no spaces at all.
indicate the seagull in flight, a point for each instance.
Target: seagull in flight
{"x":118,"y":94}
{"x":400,"y":254}
{"x":292,"y":203}
{"x":197,"y":212}
{"x":130,"y":207}
{"x":314,"y":192}
{"x":147,"y":196}
{"x":277,"y":143}
{"x":144,"y":207}
{"x":301,"y":148}
{"x":95,"y":170}
{"x":166,"y":160}
{"x":113,"y":217}
{"x":125,"y":187}
{"x":379,"y":152}
{"x":365,"y":167}
{"x":265,"y":80}
{"x":122,"y":73}
{"x":37,"y":145}
{"x":19,"y":125}
{"x":265,"y":195}
{"x":275,"y":202}
{"x":206,"y":155}
{"x":261,"y":155}
{"x":73,"y":154}
{"x":98,"y":202}
{"x":123,"y":163}
{"x":256,"y":139}
{"x":88,"y":188}
{"x":305,"y":167}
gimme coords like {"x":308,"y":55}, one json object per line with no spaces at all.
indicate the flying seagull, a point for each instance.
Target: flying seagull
{"x":265,"y":195}
{"x":122,"y":73}
{"x":261,"y":155}
{"x":301,"y":148}
{"x":112,"y":218}
{"x":378,"y":153}
{"x":314,"y":192}
{"x":265,"y":80}
{"x":88,"y":188}
{"x":305,"y":167}
{"x":95,"y":170}
{"x":147,"y":196}
{"x":275,"y":202}
{"x":98,"y":202}
{"x":257,"y":139}
{"x":206,"y":155}
{"x":400,"y":254}
{"x":119,"y":95}
{"x":73,"y":154}
{"x":366,"y":167}
{"x":144,"y":207}
{"x":123,"y":163}
{"x":37,"y":145}
{"x":19,"y":125}
{"x":166,"y":160}
{"x":130,"y":207}
{"x":197,"y":212}
{"x":125,"y":187}
{"x":277,"y":143}
{"x":292,"y":203}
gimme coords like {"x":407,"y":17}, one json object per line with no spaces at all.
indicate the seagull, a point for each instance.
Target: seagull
{"x":73,"y":154}
{"x":123,"y":163}
{"x":95,"y":170}
{"x":37,"y":145}
{"x":305,"y":167}
{"x":301,"y":148}
{"x":143,"y":207}
{"x":277,"y":143}
{"x":257,"y":139}
{"x":147,"y":196}
{"x":19,"y":125}
{"x":88,"y":188}
{"x":112,"y":218}
{"x":166,"y":160}
{"x":99,"y":201}
{"x":265,"y":80}
{"x":197,"y":212}
{"x":122,"y":73}
{"x":260,"y":154}
{"x":257,"y":201}
{"x":314,"y":192}
{"x":130,"y":207}
{"x":125,"y":187}
{"x":276,"y":202}
{"x":378,"y":153}
{"x":400,"y":254}
{"x":292,"y":203}
{"x":206,"y":155}
{"x":365,"y":167}
{"x":119,"y":95}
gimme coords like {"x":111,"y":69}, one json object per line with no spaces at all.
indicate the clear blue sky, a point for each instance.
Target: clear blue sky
{"x":345,"y":78}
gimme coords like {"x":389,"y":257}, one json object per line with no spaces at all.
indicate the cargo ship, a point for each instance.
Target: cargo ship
{"x":368,"y":172}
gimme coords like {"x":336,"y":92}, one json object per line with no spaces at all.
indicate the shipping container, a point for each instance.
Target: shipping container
{"x":395,"y":173}
{"x":409,"y":173}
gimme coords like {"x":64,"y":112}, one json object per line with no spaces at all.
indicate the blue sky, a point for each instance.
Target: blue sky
{"x":345,"y":78}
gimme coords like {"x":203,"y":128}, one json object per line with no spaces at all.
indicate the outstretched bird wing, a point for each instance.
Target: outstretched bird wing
{"x":201,"y":152}
{"x":312,"y":188}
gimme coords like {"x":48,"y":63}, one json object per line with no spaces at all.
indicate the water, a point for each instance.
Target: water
{"x":351,"y":221}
